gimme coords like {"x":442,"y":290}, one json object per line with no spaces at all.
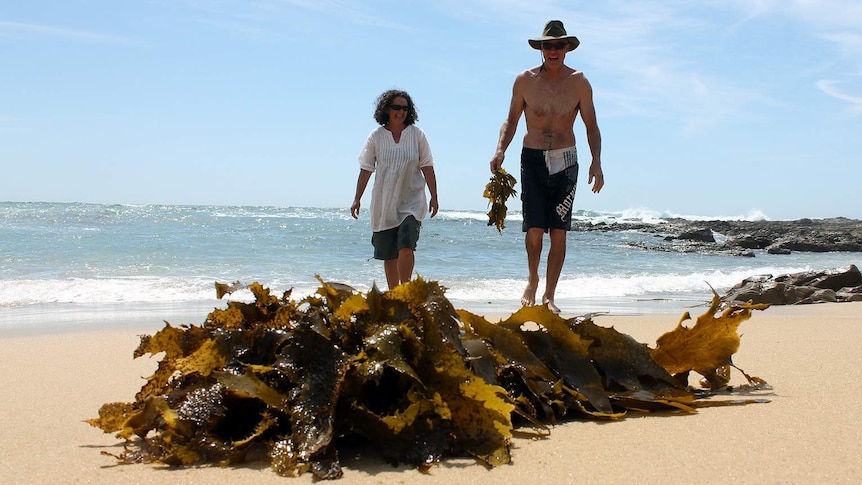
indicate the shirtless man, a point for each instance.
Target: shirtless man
{"x":550,"y":96}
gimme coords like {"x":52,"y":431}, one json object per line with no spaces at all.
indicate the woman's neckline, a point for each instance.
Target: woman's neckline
{"x":396,"y":137}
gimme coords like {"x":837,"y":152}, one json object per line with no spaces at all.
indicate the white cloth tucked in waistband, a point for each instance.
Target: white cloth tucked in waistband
{"x":560,"y":159}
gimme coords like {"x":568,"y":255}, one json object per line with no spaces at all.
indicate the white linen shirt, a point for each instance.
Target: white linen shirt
{"x":399,"y":185}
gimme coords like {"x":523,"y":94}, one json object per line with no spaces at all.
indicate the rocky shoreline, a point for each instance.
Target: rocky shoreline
{"x":742,"y":238}
{"x":834,"y":285}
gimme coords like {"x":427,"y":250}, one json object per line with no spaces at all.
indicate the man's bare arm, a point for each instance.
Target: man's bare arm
{"x":510,"y":126}
{"x":594,"y":138}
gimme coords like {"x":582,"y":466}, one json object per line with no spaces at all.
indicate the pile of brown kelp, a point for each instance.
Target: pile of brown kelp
{"x":403,"y":370}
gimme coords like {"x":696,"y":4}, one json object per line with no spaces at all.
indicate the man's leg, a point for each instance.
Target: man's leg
{"x":406,"y":260}
{"x":556,"y":258}
{"x":533,"y":243}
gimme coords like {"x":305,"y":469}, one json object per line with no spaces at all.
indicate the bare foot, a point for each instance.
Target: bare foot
{"x":529,"y":296}
{"x":553,"y":308}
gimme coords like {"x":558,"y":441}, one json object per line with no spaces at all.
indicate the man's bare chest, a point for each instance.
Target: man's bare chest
{"x":552,"y":99}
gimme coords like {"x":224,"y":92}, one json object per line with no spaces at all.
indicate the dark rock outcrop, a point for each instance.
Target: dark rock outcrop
{"x":698,"y":235}
{"x":833,"y":285}
{"x":741,"y":238}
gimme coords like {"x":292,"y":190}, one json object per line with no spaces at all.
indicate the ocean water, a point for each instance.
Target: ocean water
{"x":68,"y":265}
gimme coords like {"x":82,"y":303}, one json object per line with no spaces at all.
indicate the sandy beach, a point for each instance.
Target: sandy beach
{"x":810,"y":432}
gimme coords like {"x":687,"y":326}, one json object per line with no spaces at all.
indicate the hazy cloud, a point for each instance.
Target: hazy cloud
{"x":830,"y":88}
{"x":25,"y":29}
{"x":266,"y":18}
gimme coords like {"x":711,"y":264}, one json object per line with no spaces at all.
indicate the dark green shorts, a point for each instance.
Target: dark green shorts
{"x":387,"y":243}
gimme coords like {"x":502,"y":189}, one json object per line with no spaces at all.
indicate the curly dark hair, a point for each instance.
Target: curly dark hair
{"x":381,"y":113}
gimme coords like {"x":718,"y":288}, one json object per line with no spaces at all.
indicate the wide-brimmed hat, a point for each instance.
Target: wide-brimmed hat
{"x":554,"y":30}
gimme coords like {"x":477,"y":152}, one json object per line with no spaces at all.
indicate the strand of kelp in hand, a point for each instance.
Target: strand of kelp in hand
{"x":497,"y":191}
{"x":403,"y":370}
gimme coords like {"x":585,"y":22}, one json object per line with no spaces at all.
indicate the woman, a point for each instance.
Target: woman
{"x":399,"y":154}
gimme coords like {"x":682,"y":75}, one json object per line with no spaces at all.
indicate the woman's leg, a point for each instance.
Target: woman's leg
{"x":406,"y":260}
{"x":391,"y":268}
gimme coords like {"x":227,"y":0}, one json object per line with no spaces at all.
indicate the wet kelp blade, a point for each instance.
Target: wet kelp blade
{"x":402,"y":369}
{"x":707,"y":347}
{"x":497,"y":191}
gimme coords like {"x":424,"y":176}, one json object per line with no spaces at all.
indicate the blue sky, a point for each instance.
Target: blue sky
{"x":707,"y":107}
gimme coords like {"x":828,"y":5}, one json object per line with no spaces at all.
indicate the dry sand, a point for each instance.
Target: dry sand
{"x":808,"y":433}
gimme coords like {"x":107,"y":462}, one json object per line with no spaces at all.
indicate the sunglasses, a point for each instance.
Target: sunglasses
{"x":398,"y":107}
{"x":558,"y":46}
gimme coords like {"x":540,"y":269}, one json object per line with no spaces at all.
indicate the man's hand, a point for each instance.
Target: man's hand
{"x":497,"y":162}
{"x":597,"y":175}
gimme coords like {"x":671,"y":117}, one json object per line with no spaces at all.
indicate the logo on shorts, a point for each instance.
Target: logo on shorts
{"x":564,"y":208}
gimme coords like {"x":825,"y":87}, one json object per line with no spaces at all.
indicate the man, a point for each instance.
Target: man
{"x":550,"y":96}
